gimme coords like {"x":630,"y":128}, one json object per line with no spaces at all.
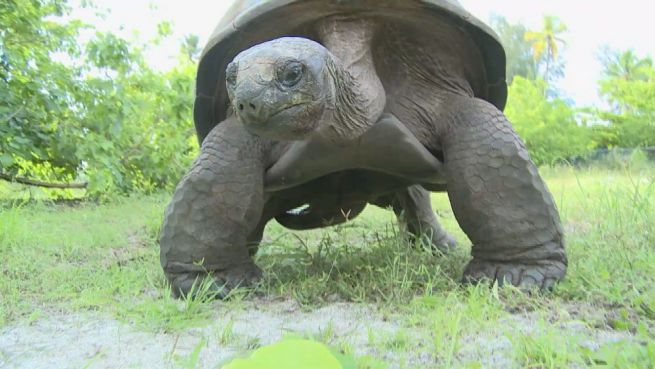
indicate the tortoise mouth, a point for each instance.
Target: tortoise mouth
{"x":291,"y":122}
{"x":288,"y":110}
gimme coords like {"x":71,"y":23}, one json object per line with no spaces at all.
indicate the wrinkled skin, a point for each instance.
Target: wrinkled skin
{"x":335,"y":130}
{"x":268,"y":98}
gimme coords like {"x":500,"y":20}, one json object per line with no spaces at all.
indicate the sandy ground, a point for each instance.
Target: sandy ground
{"x":91,"y":340}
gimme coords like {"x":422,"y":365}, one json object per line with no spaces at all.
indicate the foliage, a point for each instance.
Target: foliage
{"x":531,"y":54}
{"x":520,"y":60}
{"x":93,"y":261}
{"x":625,"y":65}
{"x":545,"y":43}
{"x":138,"y":131}
{"x":628,"y":86}
{"x":94,"y":110}
{"x":545,"y":122}
{"x":547,"y":125}
{"x":38,"y":92}
{"x":290,"y":354}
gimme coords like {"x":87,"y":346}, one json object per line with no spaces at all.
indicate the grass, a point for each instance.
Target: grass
{"x":550,"y":348}
{"x":90,"y":257}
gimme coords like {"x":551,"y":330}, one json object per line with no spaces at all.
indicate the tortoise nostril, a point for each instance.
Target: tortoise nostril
{"x":252,"y":106}
{"x":241,"y":107}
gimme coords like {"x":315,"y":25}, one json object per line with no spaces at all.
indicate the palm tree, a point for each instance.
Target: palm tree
{"x":519,"y":52}
{"x":626,"y":65}
{"x":545,"y":43}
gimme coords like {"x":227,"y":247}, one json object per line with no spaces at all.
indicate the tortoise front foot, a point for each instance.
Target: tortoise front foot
{"x":243,"y":276}
{"x":542,"y":274}
{"x":216,"y":216}
{"x":222,"y":283}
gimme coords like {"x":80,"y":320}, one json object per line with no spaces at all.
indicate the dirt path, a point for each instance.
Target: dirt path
{"x":88,"y":340}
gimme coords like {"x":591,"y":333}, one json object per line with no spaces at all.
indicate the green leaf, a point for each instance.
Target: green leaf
{"x":290,"y":354}
{"x":6,"y":160}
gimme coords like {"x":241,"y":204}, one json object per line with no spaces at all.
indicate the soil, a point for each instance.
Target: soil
{"x":92,"y":340}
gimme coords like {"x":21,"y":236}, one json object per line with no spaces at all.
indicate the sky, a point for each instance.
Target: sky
{"x":591,"y":25}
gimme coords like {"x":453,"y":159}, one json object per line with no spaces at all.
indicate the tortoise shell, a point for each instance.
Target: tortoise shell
{"x":250,"y":22}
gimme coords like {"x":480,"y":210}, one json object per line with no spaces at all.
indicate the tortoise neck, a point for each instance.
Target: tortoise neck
{"x":347,"y":115}
{"x":349,"y":40}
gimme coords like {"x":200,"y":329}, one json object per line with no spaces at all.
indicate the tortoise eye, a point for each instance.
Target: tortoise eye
{"x":231,"y":75}
{"x":290,"y":73}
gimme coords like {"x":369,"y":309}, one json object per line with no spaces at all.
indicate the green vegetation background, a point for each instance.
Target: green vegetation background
{"x":96,"y":112}
{"x":79,"y":105}
{"x":104,"y":258}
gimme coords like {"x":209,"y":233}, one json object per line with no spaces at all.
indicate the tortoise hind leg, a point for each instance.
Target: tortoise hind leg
{"x":499,"y":199}
{"x":413,"y":208}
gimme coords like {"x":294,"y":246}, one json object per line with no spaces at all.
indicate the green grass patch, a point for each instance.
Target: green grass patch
{"x":357,"y":263}
{"x":85,"y":257}
{"x":106,"y":258}
{"x":609,"y":220}
{"x":550,"y":348}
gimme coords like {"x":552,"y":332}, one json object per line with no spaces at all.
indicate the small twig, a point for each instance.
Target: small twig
{"x":33,"y":182}
{"x":14,"y":114}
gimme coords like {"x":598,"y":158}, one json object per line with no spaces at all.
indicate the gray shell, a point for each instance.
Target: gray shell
{"x":250,"y":22}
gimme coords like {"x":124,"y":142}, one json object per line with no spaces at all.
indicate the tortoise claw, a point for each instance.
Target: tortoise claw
{"x":221,"y":284}
{"x":541,"y":275}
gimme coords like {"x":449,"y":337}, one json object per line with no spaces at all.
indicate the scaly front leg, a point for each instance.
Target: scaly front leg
{"x":499,"y":199}
{"x":214,"y":210}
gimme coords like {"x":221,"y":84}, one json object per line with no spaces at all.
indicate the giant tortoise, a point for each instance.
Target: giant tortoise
{"x":308,"y":110}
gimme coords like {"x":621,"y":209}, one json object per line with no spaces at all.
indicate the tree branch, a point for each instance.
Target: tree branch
{"x":12,"y":115}
{"x":32,"y":182}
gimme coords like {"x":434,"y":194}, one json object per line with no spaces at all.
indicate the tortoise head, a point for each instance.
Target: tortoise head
{"x":280,"y":89}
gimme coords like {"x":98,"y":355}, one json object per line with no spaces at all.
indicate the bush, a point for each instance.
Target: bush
{"x":547,"y":126}
{"x":97,"y":112}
